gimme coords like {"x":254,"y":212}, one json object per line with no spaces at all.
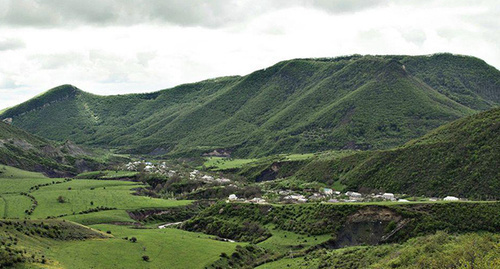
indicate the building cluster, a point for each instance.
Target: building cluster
{"x":256,"y":200}
{"x":197,"y":175}
{"x":332,"y":196}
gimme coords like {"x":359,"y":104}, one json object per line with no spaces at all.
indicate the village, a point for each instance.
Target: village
{"x":283,"y":196}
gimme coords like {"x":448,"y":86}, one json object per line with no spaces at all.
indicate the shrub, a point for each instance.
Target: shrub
{"x":61,"y":199}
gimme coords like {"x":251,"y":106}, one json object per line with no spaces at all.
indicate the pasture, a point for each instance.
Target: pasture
{"x":166,"y":248}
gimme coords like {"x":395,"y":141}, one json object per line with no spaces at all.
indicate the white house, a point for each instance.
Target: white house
{"x":388,"y":196}
{"x":257,"y":200}
{"x":207,"y":178}
{"x":233,"y":197}
{"x":450,"y":198}
{"x":403,"y":200}
{"x":353,"y":194}
{"x":327,"y":191}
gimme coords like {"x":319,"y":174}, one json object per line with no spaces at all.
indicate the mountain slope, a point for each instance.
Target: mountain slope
{"x":23,"y":150}
{"x":460,"y":158}
{"x":304,"y":105}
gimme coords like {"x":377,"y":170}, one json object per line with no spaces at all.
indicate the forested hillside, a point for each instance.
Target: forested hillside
{"x":303,"y":105}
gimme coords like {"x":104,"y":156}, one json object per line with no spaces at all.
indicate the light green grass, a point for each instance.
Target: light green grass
{"x":15,"y":205}
{"x":298,"y":157}
{"x":167,"y":248}
{"x":12,"y":172}
{"x":221,"y":163}
{"x":113,"y":194}
{"x":284,"y":241}
{"x":2,"y":207}
{"x":108,"y":174}
{"x":108,"y":216}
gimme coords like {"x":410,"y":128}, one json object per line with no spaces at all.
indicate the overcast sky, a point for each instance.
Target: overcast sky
{"x":116,"y":47}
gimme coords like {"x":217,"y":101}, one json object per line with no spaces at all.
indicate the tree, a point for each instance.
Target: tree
{"x":145,"y":258}
{"x":133,"y":239}
{"x":61,"y":199}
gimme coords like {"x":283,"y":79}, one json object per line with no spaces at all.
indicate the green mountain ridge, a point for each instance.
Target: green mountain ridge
{"x":460,"y":158}
{"x":301,"y":105}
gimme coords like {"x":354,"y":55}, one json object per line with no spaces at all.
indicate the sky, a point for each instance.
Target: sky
{"x":130,"y":46}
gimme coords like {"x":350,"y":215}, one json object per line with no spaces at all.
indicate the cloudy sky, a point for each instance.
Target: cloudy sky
{"x":115,"y":47}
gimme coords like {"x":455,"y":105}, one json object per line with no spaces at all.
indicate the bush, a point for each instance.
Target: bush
{"x":145,"y":258}
{"x":61,"y":199}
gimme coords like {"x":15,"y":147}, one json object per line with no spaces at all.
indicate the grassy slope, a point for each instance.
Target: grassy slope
{"x":167,"y":248}
{"x":439,"y":250}
{"x":460,"y":159}
{"x":21,"y":149}
{"x":294,"y":106}
{"x":78,"y":195}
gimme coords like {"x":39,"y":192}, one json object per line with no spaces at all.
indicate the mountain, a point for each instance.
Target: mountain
{"x":460,"y":158}
{"x":302,"y":105}
{"x":23,"y":150}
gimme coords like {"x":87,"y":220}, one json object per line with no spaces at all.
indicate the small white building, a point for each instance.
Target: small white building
{"x":450,"y":198}
{"x":403,"y":201}
{"x":353,"y":194}
{"x":223,"y":180}
{"x":207,"y":178}
{"x":258,"y":200}
{"x":388,"y":196}
{"x":233,"y":197}
{"x":327,"y":191}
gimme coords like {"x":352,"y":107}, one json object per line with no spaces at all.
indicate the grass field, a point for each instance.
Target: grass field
{"x":221,"y":163}
{"x":166,"y":248}
{"x":108,"y":216}
{"x":81,"y":195}
{"x":107,"y":174}
{"x":283,"y":241}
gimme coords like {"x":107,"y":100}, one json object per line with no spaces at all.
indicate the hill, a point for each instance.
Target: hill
{"x":460,"y":158}
{"x":30,"y":152}
{"x":302,"y":105}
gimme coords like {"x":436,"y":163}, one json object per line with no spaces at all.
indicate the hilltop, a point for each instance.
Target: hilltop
{"x":301,"y":105}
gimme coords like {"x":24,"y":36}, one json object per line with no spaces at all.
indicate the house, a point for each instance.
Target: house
{"x":433,"y":199}
{"x":403,"y":200}
{"x":149,"y":168}
{"x":388,"y":196}
{"x":333,"y":201}
{"x":327,"y":191}
{"x":207,"y":178}
{"x":257,"y":200}
{"x":233,"y":197}
{"x":353,"y":194}
{"x":302,"y":200}
{"x":223,"y":180}
{"x":450,"y":198}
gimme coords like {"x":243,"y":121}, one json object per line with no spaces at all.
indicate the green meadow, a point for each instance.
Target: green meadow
{"x":166,"y":248}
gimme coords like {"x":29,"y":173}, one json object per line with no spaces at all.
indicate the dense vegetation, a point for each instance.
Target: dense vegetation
{"x":440,"y":250}
{"x":317,"y":219}
{"x":305,"y":105}
{"x":21,"y":149}
{"x":460,"y":159}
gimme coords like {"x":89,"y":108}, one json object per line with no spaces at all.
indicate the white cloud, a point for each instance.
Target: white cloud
{"x":113,"y":47}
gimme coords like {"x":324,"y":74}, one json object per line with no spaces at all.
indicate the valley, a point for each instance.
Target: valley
{"x":348,"y":162}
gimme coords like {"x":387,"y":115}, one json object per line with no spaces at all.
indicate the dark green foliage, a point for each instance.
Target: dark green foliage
{"x":304,"y":105}
{"x":224,"y":219}
{"x":460,"y":159}
{"x":248,"y":256}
